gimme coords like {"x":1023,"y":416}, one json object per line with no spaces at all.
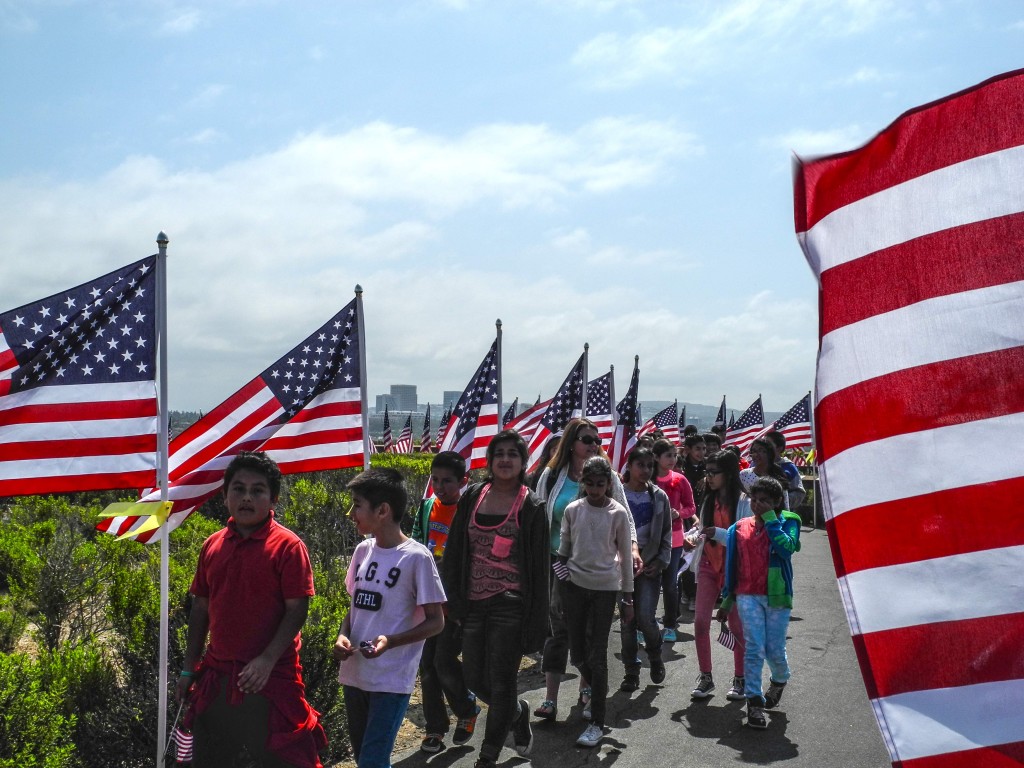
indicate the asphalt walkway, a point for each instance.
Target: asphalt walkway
{"x":824,"y":719}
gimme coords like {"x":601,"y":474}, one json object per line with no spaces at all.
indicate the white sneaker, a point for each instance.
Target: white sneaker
{"x":591,"y":736}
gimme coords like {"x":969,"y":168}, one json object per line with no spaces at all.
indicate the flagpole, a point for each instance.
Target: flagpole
{"x":586,"y":379}
{"x":815,"y":474}
{"x":611,"y":397}
{"x":162,"y":439}
{"x":364,"y":412}
{"x":501,"y":406}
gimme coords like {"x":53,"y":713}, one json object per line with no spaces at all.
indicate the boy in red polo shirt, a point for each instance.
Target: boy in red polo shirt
{"x":250,"y":594}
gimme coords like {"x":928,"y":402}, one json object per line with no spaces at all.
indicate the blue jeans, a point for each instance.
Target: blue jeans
{"x":492,"y":647}
{"x":646,"y":590}
{"x":764,"y":635}
{"x":373,"y":722}
{"x":556,"y":645}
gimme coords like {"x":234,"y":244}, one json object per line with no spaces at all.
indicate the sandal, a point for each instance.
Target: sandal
{"x":586,"y":694}
{"x":547,"y":710}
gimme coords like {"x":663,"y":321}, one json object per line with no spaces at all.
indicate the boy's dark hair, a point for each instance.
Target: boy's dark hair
{"x":382,"y":485}
{"x":261,"y":464}
{"x":662,"y":446}
{"x":692,"y":439}
{"x":771,"y":488}
{"x":597,"y":466}
{"x":450,"y":460}
{"x":779,"y":439}
{"x":509,"y":436}
{"x":690,"y":429}
{"x":712,"y":437}
{"x":732,"y":449}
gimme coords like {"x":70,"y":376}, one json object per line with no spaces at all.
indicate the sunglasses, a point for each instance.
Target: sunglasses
{"x":589,"y":439}
{"x":712,"y":472}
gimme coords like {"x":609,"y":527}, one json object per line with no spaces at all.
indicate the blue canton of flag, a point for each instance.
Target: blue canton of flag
{"x":475,"y":416}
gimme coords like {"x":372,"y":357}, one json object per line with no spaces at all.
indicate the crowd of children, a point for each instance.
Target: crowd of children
{"x":493,"y":571}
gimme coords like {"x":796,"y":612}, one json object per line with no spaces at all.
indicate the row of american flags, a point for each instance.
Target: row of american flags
{"x":915,"y":240}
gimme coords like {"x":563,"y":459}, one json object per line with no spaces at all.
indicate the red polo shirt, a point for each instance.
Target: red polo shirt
{"x":247,"y":581}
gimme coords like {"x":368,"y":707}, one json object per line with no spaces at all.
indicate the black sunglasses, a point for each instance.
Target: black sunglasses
{"x":588,"y":439}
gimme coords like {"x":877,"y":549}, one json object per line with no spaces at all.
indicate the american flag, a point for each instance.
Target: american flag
{"x":569,"y":398}
{"x":624,"y":436}
{"x":78,"y":407}
{"x":747,"y":427}
{"x":720,"y":418}
{"x":794,"y":424}
{"x":305,"y":411}
{"x":425,"y":443}
{"x":387,"y":437}
{"x":915,"y":239}
{"x":510,"y":414}
{"x":682,"y":422}
{"x":599,"y":406}
{"x":732,"y":419}
{"x":474,"y":419}
{"x":526,"y":422}
{"x":667,"y":420}
{"x":404,"y":442}
{"x":442,"y":427}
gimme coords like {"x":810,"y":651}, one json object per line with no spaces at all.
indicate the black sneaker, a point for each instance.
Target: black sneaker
{"x":756,"y":717}
{"x":484,"y":762}
{"x":432,"y":744}
{"x":773,"y":694}
{"x":705,"y":685}
{"x":736,"y":692}
{"x":657,"y":671}
{"x":464,"y":728}
{"x":630,"y":683}
{"x":522,"y":733}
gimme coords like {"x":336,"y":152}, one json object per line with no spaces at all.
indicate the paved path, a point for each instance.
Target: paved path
{"x":824,"y":720}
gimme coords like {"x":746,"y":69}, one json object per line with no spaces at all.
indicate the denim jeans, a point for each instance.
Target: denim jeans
{"x":646,"y":590}
{"x":373,"y":722}
{"x":670,"y":588}
{"x":492,"y":649}
{"x":588,"y":615}
{"x":556,"y":646}
{"x":441,"y":678}
{"x":764,"y":634}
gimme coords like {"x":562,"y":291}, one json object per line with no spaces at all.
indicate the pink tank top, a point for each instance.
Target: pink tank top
{"x":494,"y":551}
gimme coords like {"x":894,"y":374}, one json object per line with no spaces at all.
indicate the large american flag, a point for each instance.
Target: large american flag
{"x":78,"y":408}
{"x":628,"y":411}
{"x":305,"y":411}
{"x":747,"y":427}
{"x":474,"y":419}
{"x":915,"y":239}
{"x":599,"y":406}
{"x":794,"y":424}
{"x":404,"y":442}
{"x":567,"y":399}
{"x":425,"y":439}
{"x":667,"y":420}
{"x":526,"y":422}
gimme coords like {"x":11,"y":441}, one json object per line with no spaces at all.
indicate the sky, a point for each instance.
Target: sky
{"x":611,"y":172}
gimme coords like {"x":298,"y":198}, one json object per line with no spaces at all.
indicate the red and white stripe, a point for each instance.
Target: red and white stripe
{"x":473,"y":444}
{"x":404,"y":442}
{"x":915,"y":239}
{"x":526,"y":422}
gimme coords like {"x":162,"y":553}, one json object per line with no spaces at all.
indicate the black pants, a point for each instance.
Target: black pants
{"x":441,"y":678}
{"x":492,"y":650}
{"x":588,"y":615}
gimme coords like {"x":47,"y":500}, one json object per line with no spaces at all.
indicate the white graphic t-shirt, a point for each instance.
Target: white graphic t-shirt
{"x":388,"y":588}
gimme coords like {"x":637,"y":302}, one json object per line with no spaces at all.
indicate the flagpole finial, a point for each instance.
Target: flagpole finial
{"x":359,"y":289}
{"x":498,"y":322}
{"x":162,"y":240}
{"x":636,"y":359}
{"x":586,"y":345}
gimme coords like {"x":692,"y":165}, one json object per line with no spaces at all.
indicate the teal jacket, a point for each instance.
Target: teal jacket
{"x":421,"y":523}
{"x":783,"y":531}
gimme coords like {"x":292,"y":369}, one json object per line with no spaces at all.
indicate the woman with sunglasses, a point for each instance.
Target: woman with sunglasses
{"x":763,"y":457}
{"x":558,"y":486}
{"x":724,"y":503}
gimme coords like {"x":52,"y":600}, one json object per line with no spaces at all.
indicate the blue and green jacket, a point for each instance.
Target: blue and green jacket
{"x":783,"y":529}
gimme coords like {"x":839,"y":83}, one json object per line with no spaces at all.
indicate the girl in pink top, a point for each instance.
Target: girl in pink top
{"x":680,"y":497}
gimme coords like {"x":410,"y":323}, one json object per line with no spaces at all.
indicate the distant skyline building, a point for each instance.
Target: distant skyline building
{"x":404,"y":397}
{"x":451,"y":397}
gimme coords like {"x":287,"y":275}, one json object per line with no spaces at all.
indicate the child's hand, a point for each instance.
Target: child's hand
{"x":342,"y":648}
{"x":722,"y":616}
{"x":708,"y":532}
{"x":651,"y":570}
{"x":371,"y":649}
{"x":626,"y":612}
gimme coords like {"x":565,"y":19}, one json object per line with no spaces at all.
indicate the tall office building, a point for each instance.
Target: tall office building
{"x":404,"y":397}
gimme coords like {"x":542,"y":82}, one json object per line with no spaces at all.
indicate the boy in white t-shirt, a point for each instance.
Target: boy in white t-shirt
{"x":396,"y":599}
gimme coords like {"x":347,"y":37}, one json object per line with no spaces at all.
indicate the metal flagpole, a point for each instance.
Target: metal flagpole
{"x":162,"y":439}
{"x":364,"y":409}
{"x":501,"y":407}
{"x":611,"y":398}
{"x":819,"y":503}
{"x":586,"y":379}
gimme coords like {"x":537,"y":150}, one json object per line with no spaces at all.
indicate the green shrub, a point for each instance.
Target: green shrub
{"x":35,"y":729}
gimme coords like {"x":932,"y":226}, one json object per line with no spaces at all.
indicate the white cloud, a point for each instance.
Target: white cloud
{"x":207,"y":96}
{"x":205,"y":136}
{"x":264,"y":249}
{"x":866,"y":75}
{"x":806,"y":143}
{"x":181,"y":22}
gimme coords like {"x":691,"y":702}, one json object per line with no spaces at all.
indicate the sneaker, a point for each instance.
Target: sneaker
{"x":591,"y":736}
{"x":669,"y":635}
{"x":464,"y":728}
{"x":756,"y":717}
{"x":630,"y":683}
{"x":640,"y":639}
{"x":522,"y":733}
{"x":657,"y":671}
{"x":433,"y":743}
{"x":773,"y":694}
{"x":736,"y":691}
{"x":705,"y":685}
{"x":484,"y":762}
